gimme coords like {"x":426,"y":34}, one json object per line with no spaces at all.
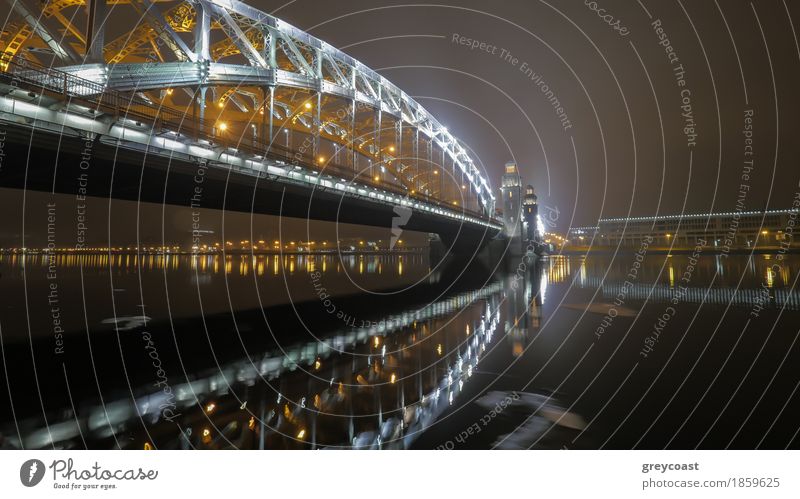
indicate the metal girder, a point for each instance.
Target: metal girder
{"x":202,"y":32}
{"x":95,"y":31}
{"x":296,"y":57}
{"x":162,"y":27}
{"x":119,"y":48}
{"x":230,"y":95}
{"x":337,"y":74}
{"x":148,"y":76}
{"x":388,"y":95}
{"x":42,"y":27}
{"x":236,"y":35}
{"x":19,"y":33}
{"x":286,"y":109}
{"x":68,"y":25}
{"x":251,"y":95}
{"x":238,"y":103}
{"x":245,"y":10}
{"x":368,"y":84}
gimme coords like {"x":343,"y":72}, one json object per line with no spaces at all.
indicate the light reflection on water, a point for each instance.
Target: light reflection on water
{"x":383,"y":385}
{"x":187,"y":285}
{"x":716,"y":279}
{"x":398,"y":376}
{"x":245,"y":264}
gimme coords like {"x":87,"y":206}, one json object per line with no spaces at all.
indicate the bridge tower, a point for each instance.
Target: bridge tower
{"x":511,"y":187}
{"x":530,"y":216}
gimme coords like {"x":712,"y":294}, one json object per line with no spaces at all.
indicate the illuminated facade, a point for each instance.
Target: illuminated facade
{"x":531,"y":229}
{"x":511,"y":187}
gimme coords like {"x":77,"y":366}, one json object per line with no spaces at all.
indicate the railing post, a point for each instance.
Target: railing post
{"x":194,"y":116}
{"x":398,"y":164}
{"x":271,"y":118}
{"x":416,"y":158}
{"x":202,"y":131}
{"x":353,"y":130}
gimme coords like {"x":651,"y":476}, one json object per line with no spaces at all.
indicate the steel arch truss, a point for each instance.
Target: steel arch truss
{"x":240,"y":75}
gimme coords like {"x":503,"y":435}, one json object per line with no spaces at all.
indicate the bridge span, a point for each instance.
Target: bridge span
{"x":216,"y":104}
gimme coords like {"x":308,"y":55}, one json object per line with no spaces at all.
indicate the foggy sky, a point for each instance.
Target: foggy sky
{"x":618,"y":119}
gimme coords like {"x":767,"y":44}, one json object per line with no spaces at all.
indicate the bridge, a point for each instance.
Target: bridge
{"x":215,"y":104}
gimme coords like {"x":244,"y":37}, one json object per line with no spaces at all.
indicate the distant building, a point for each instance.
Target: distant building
{"x":511,"y":187}
{"x":726,"y":230}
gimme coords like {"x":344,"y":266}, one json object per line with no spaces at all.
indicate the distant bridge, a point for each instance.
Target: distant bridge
{"x":278,"y":121}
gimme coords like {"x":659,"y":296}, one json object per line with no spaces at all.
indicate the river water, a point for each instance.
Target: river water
{"x":395,"y":351}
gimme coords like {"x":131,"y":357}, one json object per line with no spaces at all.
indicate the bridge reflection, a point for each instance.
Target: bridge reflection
{"x":376,"y":386}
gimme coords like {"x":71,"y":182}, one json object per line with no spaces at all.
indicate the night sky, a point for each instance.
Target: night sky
{"x":615,"y":83}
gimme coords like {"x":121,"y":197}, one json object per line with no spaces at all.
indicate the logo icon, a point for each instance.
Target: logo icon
{"x":31,"y":472}
{"x":402,"y":214}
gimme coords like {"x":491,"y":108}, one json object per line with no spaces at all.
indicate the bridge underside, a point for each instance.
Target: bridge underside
{"x":271,"y":109}
{"x":57,"y":162}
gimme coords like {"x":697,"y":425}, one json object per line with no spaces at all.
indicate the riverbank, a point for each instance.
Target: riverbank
{"x":663,"y":250}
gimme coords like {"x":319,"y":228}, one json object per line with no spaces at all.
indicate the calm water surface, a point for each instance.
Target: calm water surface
{"x":394,"y":351}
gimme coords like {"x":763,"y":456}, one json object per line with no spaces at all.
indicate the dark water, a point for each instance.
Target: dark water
{"x":393,"y":351}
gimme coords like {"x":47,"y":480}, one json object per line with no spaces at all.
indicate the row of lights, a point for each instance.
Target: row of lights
{"x":222,"y":126}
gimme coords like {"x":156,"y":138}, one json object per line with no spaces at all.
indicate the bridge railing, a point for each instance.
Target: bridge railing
{"x":100,"y":99}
